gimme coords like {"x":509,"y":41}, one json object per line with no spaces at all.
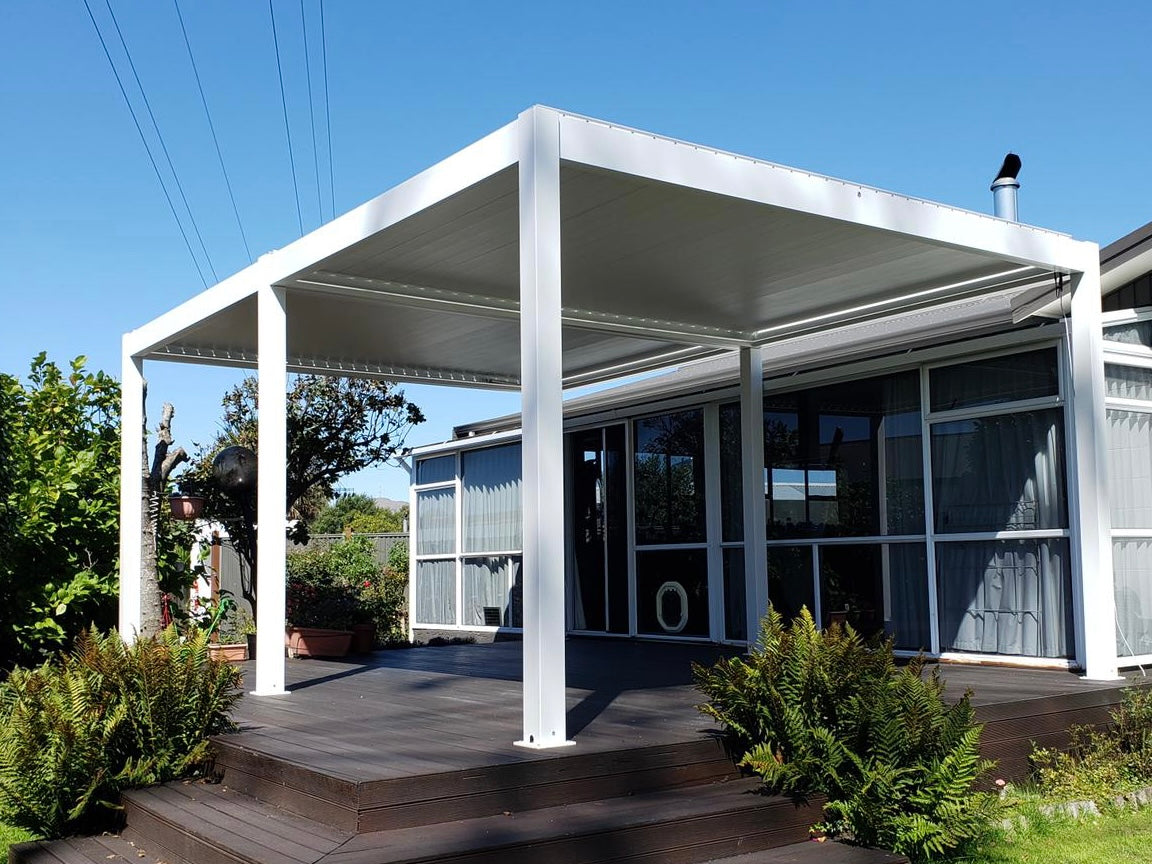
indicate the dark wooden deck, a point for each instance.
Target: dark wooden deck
{"x":417,"y":711}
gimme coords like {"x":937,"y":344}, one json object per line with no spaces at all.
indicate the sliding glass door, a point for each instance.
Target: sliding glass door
{"x":598,"y":558}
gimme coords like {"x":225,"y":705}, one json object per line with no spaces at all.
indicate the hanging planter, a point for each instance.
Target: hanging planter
{"x":185,"y":507}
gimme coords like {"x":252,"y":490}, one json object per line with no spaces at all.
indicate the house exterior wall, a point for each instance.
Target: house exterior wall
{"x":925,"y":496}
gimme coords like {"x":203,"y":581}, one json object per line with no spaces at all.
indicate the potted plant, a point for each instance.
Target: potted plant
{"x":216,"y":616}
{"x":320,"y":609}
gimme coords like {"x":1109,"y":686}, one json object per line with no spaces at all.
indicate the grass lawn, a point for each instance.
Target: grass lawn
{"x":10,"y":835}
{"x":1106,"y":839}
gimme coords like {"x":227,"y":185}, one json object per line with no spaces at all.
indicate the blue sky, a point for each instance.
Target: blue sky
{"x":922,"y":98}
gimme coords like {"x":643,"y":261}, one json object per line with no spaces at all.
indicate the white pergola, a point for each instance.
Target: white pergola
{"x":560,"y":251}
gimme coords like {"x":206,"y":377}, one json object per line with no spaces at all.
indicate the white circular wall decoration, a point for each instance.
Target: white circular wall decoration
{"x":677,"y":589}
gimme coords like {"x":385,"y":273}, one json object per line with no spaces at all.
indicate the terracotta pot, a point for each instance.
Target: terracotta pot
{"x":185,"y":507}
{"x":317,"y":642}
{"x":234,"y":652}
{"x":363,"y":638}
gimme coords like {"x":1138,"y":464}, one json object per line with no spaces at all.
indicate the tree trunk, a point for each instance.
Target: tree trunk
{"x":155,"y":481}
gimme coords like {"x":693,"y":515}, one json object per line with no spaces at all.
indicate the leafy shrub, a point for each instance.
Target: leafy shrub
{"x":398,"y":558}
{"x":824,"y":712}
{"x":343,"y":584}
{"x":384,"y":599}
{"x":59,"y":505}
{"x":108,"y":716}
{"x":1099,"y":763}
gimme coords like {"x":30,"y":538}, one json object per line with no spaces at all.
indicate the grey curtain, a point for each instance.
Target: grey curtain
{"x":1005,"y":597}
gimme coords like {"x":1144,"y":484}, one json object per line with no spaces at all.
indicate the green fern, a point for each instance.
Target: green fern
{"x":77,"y":730}
{"x":826,"y":712}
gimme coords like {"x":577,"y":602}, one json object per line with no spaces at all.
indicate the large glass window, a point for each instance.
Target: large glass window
{"x":877,"y":588}
{"x":1000,"y":473}
{"x":1010,"y":378}
{"x":1130,"y":492}
{"x":436,"y":521}
{"x":434,"y":592}
{"x":845,"y":460}
{"x":669,"y":478}
{"x":438,"y":469}
{"x":1005,"y":597}
{"x":490,"y":484}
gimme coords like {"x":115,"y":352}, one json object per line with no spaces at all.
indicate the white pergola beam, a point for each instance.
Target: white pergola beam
{"x":132,"y":450}
{"x":1089,"y":509}
{"x":476,"y":162}
{"x":752,"y":460}
{"x":542,"y":411}
{"x":642,"y":154}
{"x":271,"y":490}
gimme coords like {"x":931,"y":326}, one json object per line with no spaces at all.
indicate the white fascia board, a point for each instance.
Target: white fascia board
{"x":616,"y":148}
{"x":478,"y":161}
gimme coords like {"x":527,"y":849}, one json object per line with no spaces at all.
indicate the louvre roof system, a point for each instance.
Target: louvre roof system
{"x":670,"y":252}
{"x":560,"y":251}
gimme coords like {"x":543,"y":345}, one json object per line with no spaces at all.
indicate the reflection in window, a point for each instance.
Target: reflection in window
{"x":669,"y":478}
{"x":845,"y":460}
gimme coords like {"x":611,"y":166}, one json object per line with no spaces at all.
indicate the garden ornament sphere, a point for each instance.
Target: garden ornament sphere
{"x":235,"y":470}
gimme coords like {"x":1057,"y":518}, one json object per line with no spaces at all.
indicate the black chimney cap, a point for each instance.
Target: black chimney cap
{"x":1010,"y":169}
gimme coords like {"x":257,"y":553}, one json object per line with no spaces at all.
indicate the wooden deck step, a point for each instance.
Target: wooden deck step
{"x":106,"y":849}
{"x":448,"y":796}
{"x":817,"y":853}
{"x":212,"y":824}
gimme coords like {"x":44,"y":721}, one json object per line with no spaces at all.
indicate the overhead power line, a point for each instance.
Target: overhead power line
{"x":327,"y":113}
{"x":311,"y":113}
{"x":147,"y":148}
{"x":287,"y":128}
{"x":160,"y":138}
{"x":212,"y":127}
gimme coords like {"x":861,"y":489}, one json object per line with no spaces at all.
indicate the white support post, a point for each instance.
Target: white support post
{"x":271,"y":489}
{"x":132,"y":448}
{"x":752,"y":459}
{"x":1092,"y":581}
{"x":541,"y":397}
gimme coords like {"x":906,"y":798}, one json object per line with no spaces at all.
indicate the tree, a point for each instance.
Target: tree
{"x":336,"y":426}
{"x":358,"y":513}
{"x":59,"y":507}
{"x":164,"y":461}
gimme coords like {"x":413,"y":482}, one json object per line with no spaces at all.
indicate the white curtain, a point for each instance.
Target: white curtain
{"x":434,"y":593}
{"x":436,"y":522}
{"x":486,"y":584}
{"x":1130,"y":468}
{"x":1005,"y":597}
{"x":491,"y":505}
{"x":1132,"y":566}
